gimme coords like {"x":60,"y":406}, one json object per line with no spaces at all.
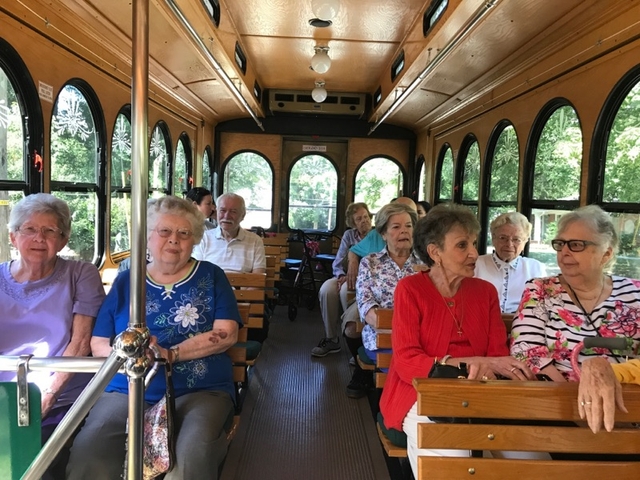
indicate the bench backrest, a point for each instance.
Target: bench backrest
{"x":507,"y":318}
{"x":384,"y":318}
{"x":250,"y":288}
{"x":519,"y":403}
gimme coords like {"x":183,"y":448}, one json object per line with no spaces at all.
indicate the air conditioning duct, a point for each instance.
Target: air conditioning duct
{"x":300,"y":101}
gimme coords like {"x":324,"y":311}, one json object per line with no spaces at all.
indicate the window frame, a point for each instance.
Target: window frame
{"x":405,"y":177}
{"x":164,"y":130}
{"x":438,"y":176}
{"x":458,"y":176}
{"x":183,"y":140}
{"x":125,"y":110}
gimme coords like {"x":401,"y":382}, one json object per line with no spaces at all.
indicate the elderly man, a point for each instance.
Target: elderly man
{"x":505,"y":268}
{"x":228,"y":245}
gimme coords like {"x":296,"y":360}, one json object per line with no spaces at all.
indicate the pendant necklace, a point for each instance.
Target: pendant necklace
{"x":458,"y":323}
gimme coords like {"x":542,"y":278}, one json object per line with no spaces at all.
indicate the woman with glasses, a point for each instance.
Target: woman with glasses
{"x":505,"y":268}
{"x":193,"y":319}
{"x":48,"y":303}
{"x":556,"y":313}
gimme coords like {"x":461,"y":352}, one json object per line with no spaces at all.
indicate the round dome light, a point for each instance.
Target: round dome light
{"x":321,"y":62}
{"x":325,"y":9}
{"x":319,"y":94}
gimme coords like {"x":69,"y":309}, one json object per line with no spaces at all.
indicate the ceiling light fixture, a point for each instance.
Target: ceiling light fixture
{"x":321,"y":62}
{"x":325,"y":9}
{"x":319,"y":94}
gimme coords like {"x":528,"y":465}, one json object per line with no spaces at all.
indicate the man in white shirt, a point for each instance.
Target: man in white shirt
{"x":505,"y":268}
{"x":228,"y":245}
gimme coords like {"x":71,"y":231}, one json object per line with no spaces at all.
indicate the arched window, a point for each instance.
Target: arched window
{"x":250,"y":175}
{"x":182,"y":176}
{"x":378,"y":181}
{"x":120,"y":230}
{"x":313,"y":194}
{"x":207,"y":160}
{"x":444,"y":176}
{"x":501,"y":175}
{"x":21,"y":133}
{"x":159,"y":160}
{"x":469,"y":174}
{"x":77,"y":136}
{"x":617,"y":142}
{"x":422,"y":186}
{"x":553,"y":169}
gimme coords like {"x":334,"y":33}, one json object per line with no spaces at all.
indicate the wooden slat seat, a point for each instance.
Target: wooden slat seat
{"x":250,"y":288}
{"x":519,"y":402}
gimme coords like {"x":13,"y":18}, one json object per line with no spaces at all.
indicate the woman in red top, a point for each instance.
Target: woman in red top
{"x":443,"y":315}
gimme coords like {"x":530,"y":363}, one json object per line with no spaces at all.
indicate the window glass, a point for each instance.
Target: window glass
{"x":558,"y":157}
{"x":74,"y":170}
{"x":158,"y":158}
{"x":8,"y":199}
{"x":422,"y":187}
{"x":250,"y":176}
{"x":73,"y":139}
{"x":627,"y":262}
{"x":471,"y":175}
{"x":446,"y":176}
{"x":120,"y":231}
{"x":504,"y":167}
{"x":180,"y":170}
{"x":545,"y":228}
{"x":313,"y":194}
{"x":622,"y":167}
{"x":206,"y":170}
{"x":378,"y":181}
{"x":11,"y":135}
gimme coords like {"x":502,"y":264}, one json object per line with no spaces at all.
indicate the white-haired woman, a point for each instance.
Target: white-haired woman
{"x":505,"y":268}
{"x":556,"y":313}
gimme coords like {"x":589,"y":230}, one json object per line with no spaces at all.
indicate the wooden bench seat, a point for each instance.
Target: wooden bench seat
{"x":497,"y":401}
{"x":250,"y":288}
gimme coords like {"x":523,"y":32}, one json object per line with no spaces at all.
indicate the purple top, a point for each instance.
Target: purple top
{"x":349,"y":239}
{"x":37,"y":316}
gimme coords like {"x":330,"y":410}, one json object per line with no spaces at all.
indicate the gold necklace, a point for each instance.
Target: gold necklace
{"x":455,"y":319}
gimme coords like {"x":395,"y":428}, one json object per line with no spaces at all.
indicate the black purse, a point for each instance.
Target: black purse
{"x":438,"y":370}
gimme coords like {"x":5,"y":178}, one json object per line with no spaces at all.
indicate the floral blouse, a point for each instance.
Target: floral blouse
{"x":378,"y":276}
{"x":548,"y":325}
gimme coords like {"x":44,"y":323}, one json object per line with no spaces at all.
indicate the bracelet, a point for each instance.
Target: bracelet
{"x":175,"y":350}
{"x":50,"y":391}
{"x":443,"y":360}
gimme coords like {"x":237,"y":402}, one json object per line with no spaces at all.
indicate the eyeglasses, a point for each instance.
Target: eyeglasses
{"x":515,"y":240}
{"x":182,"y":234}
{"x":574,"y":245}
{"x":47,"y":232}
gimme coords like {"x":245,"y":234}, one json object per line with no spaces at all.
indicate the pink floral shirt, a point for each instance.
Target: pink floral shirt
{"x":548,"y":325}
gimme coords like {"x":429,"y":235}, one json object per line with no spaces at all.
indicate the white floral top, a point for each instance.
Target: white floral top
{"x":378,"y":276}
{"x":548,"y":325}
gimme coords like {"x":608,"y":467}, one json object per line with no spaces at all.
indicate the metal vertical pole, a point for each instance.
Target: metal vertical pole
{"x":139,"y":195}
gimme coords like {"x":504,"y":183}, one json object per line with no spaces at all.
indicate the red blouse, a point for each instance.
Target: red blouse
{"x":425,"y":326}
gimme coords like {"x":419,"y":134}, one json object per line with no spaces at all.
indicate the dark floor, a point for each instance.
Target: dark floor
{"x":297,"y":422}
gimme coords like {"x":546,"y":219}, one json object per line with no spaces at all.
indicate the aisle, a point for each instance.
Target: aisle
{"x":297,"y":422}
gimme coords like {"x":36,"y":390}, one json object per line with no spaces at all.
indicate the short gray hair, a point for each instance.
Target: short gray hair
{"x":390,"y":209}
{"x":169,"y":205}
{"x":596,"y":219}
{"x":439,"y":221}
{"x":514,"y":218}
{"x":41,"y":203}
{"x":352,"y":208}
{"x":243,"y":207}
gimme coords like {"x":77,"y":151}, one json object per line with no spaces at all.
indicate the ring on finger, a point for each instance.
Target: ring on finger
{"x":513,"y":369}
{"x":583,"y":403}
{"x":484,"y":377}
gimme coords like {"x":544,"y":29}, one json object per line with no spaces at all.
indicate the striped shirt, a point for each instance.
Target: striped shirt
{"x":548,"y":324}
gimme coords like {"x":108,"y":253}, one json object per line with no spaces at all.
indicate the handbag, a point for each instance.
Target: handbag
{"x":159,"y":454}
{"x":438,"y":370}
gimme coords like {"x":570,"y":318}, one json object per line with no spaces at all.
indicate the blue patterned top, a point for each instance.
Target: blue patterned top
{"x":175,"y":313}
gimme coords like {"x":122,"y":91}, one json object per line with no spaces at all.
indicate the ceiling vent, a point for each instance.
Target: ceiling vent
{"x":300,"y":101}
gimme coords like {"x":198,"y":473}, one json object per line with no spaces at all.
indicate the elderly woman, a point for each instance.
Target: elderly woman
{"x":193,"y":318}
{"x":203,"y":201}
{"x":333,"y":291}
{"x":379,"y":274}
{"x":505,"y":268}
{"x":556,"y":313}
{"x":443,"y":315}
{"x":600,"y":392}
{"x":48,"y":303}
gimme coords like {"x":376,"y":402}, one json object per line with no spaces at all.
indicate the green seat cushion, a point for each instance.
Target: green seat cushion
{"x":398,"y":438}
{"x":364,"y":358}
{"x":253,"y":348}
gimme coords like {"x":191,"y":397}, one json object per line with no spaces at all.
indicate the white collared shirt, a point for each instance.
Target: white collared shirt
{"x":508,"y":278}
{"x":242,"y":254}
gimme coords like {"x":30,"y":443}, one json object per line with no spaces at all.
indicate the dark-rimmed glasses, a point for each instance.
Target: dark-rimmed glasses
{"x":183,"y":233}
{"x":574,"y":245}
{"x":47,"y":232}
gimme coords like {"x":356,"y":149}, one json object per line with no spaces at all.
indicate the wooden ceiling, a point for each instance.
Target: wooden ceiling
{"x":481,"y":65}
